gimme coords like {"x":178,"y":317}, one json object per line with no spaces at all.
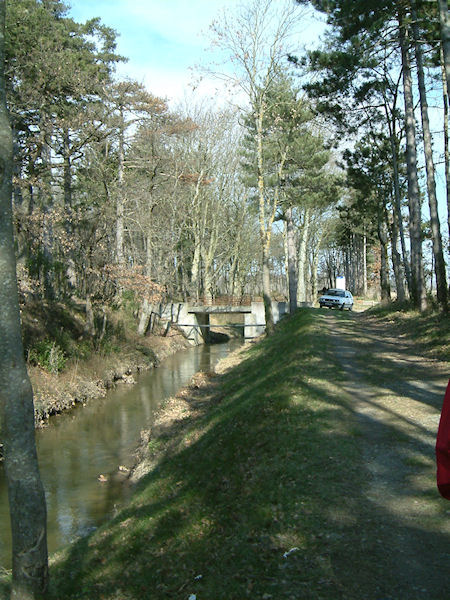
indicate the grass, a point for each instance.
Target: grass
{"x":255,"y":501}
{"x":257,"y":494}
{"x":430,"y":329}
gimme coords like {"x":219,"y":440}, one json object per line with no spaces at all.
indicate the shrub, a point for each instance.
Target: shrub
{"x":47,"y":355}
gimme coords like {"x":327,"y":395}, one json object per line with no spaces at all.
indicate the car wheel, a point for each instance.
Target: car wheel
{"x":350,"y":307}
{"x":341,"y":307}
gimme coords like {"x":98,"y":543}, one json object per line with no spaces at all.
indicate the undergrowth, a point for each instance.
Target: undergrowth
{"x":54,"y":334}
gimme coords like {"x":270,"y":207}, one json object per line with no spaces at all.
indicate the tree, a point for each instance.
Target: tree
{"x":289,"y":151}
{"x":256,"y":41}
{"x":25,"y":491}
{"x":366,"y":33}
{"x":415,"y":230}
{"x":439,"y":262}
{"x":129,"y":103}
{"x":369,"y":175}
{"x":56,"y":73}
{"x":445,"y":37}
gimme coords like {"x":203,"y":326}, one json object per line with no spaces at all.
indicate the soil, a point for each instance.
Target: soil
{"x":396,"y":394}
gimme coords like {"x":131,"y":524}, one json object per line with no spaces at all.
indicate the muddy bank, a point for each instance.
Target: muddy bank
{"x":88,"y":380}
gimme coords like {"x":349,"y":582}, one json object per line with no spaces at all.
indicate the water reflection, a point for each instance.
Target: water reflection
{"x":95,"y":439}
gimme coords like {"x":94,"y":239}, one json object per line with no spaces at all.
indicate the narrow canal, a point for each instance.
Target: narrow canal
{"x":92,"y":440}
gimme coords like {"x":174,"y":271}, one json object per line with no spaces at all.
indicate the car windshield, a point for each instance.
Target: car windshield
{"x":339,"y":293}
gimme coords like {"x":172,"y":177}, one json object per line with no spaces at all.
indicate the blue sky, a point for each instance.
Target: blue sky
{"x":161,"y":38}
{"x":164,"y":39}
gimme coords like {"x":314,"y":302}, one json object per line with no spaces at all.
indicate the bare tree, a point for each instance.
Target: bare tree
{"x":129,"y":103}
{"x":256,"y":40}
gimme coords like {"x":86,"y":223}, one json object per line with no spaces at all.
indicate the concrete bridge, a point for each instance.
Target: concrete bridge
{"x":196,"y":321}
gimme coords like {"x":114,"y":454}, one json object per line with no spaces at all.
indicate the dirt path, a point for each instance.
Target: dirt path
{"x":397,"y":397}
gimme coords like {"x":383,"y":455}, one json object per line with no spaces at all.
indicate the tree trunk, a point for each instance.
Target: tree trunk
{"x":265,"y":231}
{"x":267,"y":291}
{"x":208,"y":260}
{"x":417,"y":279}
{"x":146,"y":307}
{"x":144,"y":318}
{"x":235,"y":264}
{"x":120,"y":200}
{"x":364,"y":286}
{"x":47,"y":271}
{"x":291,"y":248}
{"x":198,"y":231}
{"x":396,"y":261}
{"x":89,"y":326}
{"x":195,"y":271}
{"x":208,"y":285}
{"x":26,"y":494}
{"x":302,"y":258}
{"x":314,"y":266}
{"x":397,"y":206}
{"x":446,"y":142}
{"x":67,"y":171}
{"x":445,"y":37}
{"x":439,"y":262}
{"x":384,"y":268}
{"x":71,"y":273}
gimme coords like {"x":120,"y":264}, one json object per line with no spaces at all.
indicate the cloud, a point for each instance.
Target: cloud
{"x":177,"y":86}
{"x":164,"y":40}
{"x":177,"y":21}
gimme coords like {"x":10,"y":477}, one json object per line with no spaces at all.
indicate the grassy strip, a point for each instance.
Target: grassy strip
{"x":258,"y":500}
{"x":430,"y":329}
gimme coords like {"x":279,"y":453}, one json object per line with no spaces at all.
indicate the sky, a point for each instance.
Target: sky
{"x":165,"y":39}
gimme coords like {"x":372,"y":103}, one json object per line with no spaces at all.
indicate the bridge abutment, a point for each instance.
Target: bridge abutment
{"x":194,"y":321}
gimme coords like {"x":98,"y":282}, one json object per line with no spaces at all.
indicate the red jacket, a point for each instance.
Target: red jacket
{"x":443,"y":448}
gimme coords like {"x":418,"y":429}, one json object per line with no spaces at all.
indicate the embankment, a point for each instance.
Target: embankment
{"x":67,"y":366}
{"x":88,"y":379}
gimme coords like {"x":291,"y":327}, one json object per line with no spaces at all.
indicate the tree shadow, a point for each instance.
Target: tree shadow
{"x":269,"y":494}
{"x":392,"y":362}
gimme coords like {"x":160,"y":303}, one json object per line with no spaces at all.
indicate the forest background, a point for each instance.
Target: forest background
{"x":116,"y":187}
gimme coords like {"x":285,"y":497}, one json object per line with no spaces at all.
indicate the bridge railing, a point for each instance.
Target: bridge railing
{"x":225,"y":300}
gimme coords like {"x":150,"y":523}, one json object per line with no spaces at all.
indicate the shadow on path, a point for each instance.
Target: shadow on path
{"x":397,"y":396}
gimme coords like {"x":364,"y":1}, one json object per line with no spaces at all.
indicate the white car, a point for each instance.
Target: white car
{"x":336,"y":299}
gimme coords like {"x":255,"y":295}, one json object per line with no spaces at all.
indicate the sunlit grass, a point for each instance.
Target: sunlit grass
{"x":430,"y":329}
{"x":262,"y":495}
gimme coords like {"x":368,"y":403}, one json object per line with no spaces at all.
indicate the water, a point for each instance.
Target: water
{"x":95,"y":439}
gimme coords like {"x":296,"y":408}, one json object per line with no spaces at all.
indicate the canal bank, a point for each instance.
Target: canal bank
{"x":90,"y":379}
{"x":70,"y":363}
{"x":86,"y":454}
{"x":265,"y":492}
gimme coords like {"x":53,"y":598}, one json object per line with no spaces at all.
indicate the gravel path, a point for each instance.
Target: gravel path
{"x":397,"y":397}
